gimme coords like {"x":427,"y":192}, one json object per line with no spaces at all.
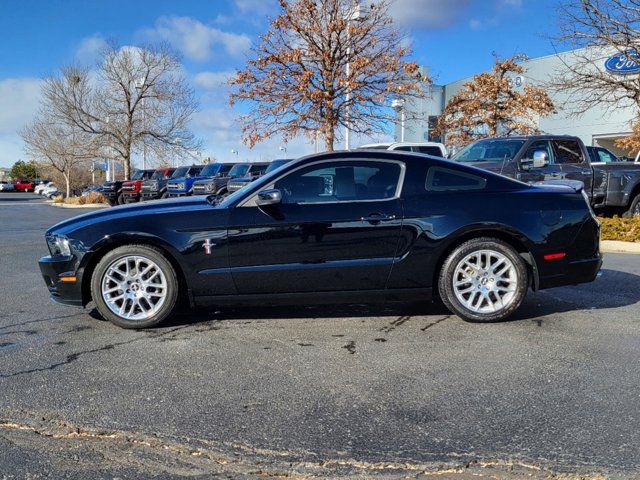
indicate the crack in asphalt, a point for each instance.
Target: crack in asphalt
{"x":155,"y":453}
{"x":435,"y":322}
{"x":72,"y":357}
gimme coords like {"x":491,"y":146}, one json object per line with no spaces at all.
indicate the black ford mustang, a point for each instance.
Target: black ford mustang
{"x":343,"y":226}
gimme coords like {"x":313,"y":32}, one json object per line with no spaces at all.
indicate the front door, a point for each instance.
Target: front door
{"x":336,"y":228}
{"x":552,"y":171}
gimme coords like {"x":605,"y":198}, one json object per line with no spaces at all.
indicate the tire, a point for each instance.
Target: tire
{"x":135,"y":302}
{"x":164,"y":195}
{"x":634,"y":208}
{"x":120,"y":199}
{"x":483,"y":295}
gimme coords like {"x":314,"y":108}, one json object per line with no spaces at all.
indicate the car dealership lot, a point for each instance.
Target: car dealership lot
{"x":318,"y":390}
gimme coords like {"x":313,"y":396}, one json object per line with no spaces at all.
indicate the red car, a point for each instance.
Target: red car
{"x":131,"y":188}
{"x":24,"y":186}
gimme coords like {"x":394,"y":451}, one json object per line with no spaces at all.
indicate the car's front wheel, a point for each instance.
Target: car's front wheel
{"x":483,"y":280}
{"x":134,"y":286}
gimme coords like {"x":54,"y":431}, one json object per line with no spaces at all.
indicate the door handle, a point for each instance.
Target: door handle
{"x":376,"y":218}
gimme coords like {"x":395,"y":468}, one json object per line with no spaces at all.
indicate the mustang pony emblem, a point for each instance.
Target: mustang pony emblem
{"x":208,"y":245}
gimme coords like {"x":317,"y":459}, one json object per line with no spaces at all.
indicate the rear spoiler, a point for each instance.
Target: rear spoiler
{"x":576,"y":185}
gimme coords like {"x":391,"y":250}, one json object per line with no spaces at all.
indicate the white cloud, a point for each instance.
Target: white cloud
{"x":90,"y":48}
{"x":196,"y":40}
{"x":428,"y":13}
{"x":212,"y":80}
{"x":256,"y":6}
{"x":19,"y":98}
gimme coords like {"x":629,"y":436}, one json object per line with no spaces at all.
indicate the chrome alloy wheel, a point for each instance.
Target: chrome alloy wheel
{"x":134,"y":287}
{"x":485,"y":281}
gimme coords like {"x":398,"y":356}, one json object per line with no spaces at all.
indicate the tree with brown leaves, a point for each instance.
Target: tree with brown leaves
{"x":490,"y":105}
{"x":324,"y":65}
{"x":598,"y":30}
{"x":137,"y":99}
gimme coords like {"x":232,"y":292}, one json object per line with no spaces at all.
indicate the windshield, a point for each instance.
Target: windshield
{"x":138,"y":175}
{"x":210,"y":170}
{"x":180,"y":172}
{"x":490,"y":150}
{"x":239,"y":170}
{"x":275,"y":165}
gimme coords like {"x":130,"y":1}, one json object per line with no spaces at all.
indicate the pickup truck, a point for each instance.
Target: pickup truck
{"x":612,"y":188}
{"x":218,"y":185}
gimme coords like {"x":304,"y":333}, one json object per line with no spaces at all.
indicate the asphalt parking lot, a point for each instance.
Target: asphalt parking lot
{"x":402,"y":391}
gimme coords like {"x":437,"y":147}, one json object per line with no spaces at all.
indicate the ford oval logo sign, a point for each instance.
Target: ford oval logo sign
{"x":623,"y":64}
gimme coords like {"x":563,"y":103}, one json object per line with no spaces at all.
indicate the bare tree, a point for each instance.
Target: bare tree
{"x":138,"y":99}
{"x":59,"y":147}
{"x":490,"y":105}
{"x":598,"y":30}
{"x":322,"y":65}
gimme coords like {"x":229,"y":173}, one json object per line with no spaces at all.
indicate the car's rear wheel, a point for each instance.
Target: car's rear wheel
{"x":134,"y":286}
{"x":483,"y":280}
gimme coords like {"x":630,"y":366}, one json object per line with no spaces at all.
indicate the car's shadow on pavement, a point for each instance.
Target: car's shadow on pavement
{"x":614,"y":290}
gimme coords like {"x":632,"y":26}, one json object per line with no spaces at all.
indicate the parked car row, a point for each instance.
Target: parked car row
{"x":17,"y":186}
{"x":211,"y":179}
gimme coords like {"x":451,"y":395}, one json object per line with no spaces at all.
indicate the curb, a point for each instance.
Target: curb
{"x":88,"y":205}
{"x":616,"y":246}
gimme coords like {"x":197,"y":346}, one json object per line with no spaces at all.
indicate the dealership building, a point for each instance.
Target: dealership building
{"x":594,"y":127}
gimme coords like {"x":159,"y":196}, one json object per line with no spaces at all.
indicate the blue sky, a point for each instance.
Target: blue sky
{"x":453,"y":38}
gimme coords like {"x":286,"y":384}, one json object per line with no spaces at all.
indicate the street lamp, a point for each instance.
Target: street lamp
{"x":283,"y":149}
{"x":234,"y":151}
{"x":352,"y":16}
{"x":140,"y":86}
{"x":398,"y":106}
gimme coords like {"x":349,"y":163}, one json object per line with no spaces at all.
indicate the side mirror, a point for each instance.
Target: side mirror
{"x":269,"y":197}
{"x":540,"y":159}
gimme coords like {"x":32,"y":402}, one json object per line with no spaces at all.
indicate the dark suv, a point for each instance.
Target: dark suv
{"x":218,"y":185}
{"x":238,"y":183}
{"x":156,"y":186}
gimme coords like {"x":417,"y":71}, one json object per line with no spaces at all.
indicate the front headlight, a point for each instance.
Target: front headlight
{"x":58,"y":246}
{"x":210,"y":187}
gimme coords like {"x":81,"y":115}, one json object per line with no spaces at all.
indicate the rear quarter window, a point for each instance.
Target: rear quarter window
{"x":441,"y":179}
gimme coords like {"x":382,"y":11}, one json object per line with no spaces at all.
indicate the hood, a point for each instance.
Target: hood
{"x":206,"y":180}
{"x":126,"y":211}
{"x":242,"y":180}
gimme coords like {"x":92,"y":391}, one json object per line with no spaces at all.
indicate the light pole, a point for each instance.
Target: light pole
{"x":140,"y":87}
{"x":398,"y":106}
{"x":234,"y":151}
{"x":283,"y":149}
{"x":353,"y":15}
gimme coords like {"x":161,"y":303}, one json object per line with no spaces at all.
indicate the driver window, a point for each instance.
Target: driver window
{"x":340,"y":181}
{"x":543,"y":145}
